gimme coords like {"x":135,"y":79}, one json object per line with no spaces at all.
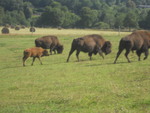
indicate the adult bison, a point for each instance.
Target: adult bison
{"x":138,"y":40}
{"x":90,"y":44}
{"x":35,"y":52}
{"x":49,"y":42}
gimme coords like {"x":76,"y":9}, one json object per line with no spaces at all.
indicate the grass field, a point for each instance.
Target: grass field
{"x":96,"y":86}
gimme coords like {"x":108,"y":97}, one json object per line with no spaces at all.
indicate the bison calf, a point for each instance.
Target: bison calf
{"x":49,"y":42}
{"x":90,"y":44}
{"x":138,"y":40}
{"x":35,"y":52}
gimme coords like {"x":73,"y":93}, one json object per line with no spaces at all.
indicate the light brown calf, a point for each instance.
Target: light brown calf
{"x":35,"y":52}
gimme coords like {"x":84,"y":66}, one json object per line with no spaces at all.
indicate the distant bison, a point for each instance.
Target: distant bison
{"x":137,"y":40}
{"x":90,"y":44}
{"x":49,"y":42}
{"x":35,"y":52}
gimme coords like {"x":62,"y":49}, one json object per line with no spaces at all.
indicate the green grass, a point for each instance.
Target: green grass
{"x":96,"y":86}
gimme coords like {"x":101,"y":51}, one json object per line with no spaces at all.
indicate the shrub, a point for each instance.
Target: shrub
{"x":5,"y":30}
{"x":102,"y":25}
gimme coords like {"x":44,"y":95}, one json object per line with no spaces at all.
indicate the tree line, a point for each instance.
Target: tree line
{"x":99,"y":14}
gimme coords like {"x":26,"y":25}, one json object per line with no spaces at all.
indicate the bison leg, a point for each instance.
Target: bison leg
{"x":71,"y":51}
{"x":138,"y":52}
{"x":101,"y":53}
{"x":146,"y":54}
{"x":77,"y":54}
{"x":52,"y":49}
{"x":119,"y":52}
{"x":40,"y":60}
{"x":24,"y":59}
{"x":33,"y":60}
{"x":126,"y":55}
{"x":90,"y":55}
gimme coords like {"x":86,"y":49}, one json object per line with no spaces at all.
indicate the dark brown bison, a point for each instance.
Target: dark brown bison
{"x":92,"y":44}
{"x":35,"y":52}
{"x":137,"y":40}
{"x":49,"y":42}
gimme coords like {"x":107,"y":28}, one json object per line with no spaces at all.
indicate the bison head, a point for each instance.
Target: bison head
{"x":107,"y":47}
{"x":60,"y":49}
{"x":45,"y":53}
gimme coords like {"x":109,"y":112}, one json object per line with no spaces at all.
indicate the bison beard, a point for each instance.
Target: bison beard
{"x":91,"y":44}
{"x":138,"y":40}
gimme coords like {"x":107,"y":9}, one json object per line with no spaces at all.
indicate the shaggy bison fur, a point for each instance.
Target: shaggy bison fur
{"x":49,"y":42}
{"x":35,"y":52}
{"x":91,"y":44}
{"x":138,"y":40}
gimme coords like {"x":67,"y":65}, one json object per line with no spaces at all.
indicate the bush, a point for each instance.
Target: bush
{"x":32,"y":29}
{"x":102,"y":25}
{"x":5,"y":30}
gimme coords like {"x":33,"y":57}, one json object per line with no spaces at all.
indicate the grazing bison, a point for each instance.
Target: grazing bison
{"x":90,"y":44}
{"x":35,"y":52}
{"x":137,"y":40}
{"x":49,"y":42}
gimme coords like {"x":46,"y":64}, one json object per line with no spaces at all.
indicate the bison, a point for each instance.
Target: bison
{"x":91,"y":44}
{"x":138,"y":40}
{"x":49,"y":42}
{"x":35,"y":52}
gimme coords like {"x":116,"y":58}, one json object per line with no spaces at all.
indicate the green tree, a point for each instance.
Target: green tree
{"x":2,"y":15}
{"x":14,"y":17}
{"x":130,"y":4}
{"x":147,"y":21}
{"x":44,"y":3}
{"x":119,"y":20}
{"x":70,"y":20}
{"x":28,"y":12}
{"x":86,"y":3}
{"x":36,"y":3}
{"x":88,"y":17}
{"x":108,"y":16}
{"x":52,"y":17}
{"x":102,"y":25}
{"x":11,"y":5}
{"x":131,"y":20}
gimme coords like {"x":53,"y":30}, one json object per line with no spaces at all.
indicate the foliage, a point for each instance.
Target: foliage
{"x":102,"y":25}
{"x":130,"y":20}
{"x":88,"y":17}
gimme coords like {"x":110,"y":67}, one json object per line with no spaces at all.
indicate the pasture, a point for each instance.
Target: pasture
{"x":96,"y":86}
